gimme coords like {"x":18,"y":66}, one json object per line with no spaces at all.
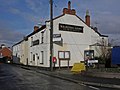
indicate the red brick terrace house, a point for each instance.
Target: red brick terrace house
{"x":5,"y":53}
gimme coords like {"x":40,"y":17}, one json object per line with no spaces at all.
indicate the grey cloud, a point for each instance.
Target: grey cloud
{"x":35,"y":5}
{"x":114,"y":39}
{"x":9,"y":37}
{"x":27,"y":16}
{"x":9,"y":2}
{"x":15,"y":10}
{"x":105,"y":14}
{"x":108,"y":22}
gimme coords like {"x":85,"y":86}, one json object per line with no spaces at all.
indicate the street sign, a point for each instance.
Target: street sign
{"x":92,"y":61}
{"x":57,"y":37}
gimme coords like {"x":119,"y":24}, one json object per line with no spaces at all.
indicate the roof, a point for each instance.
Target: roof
{"x":5,"y":48}
{"x":96,"y":44}
{"x":100,"y":34}
{"x":44,"y":26}
{"x":18,"y":43}
{"x":56,"y":17}
{"x":82,"y":21}
{"x":34,"y":32}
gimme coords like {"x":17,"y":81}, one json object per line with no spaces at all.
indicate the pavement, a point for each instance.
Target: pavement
{"x":98,"y":79}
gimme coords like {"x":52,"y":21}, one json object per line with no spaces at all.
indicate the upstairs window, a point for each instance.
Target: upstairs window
{"x":42,"y":57}
{"x":42,"y":37}
{"x":36,"y":42}
{"x":33,"y":57}
{"x":31,"y":41}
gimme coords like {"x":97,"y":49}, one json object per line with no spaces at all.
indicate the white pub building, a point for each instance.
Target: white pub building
{"x":73,"y":40}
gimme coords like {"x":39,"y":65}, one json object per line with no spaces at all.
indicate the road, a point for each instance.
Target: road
{"x":13,"y":77}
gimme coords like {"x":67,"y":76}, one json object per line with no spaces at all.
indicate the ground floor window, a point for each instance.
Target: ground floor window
{"x":33,"y":57}
{"x":16,"y":54}
{"x":89,"y":54}
{"x":42,"y":57}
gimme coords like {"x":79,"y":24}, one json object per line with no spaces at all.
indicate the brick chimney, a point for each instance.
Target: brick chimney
{"x":3,"y":45}
{"x":36,"y":28}
{"x":87,"y":18}
{"x":69,"y":10}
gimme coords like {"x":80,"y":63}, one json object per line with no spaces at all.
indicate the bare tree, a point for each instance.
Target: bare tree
{"x":104,"y":50}
{"x":101,"y":49}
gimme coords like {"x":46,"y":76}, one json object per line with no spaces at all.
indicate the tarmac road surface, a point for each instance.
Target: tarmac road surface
{"x":16,"y":78}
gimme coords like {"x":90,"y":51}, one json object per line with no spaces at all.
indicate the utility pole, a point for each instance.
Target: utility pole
{"x":51,"y":34}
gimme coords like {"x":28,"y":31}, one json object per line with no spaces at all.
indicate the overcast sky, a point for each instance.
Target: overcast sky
{"x":18,"y":17}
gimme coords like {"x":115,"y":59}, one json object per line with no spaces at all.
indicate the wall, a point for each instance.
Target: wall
{"x":37,"y":50}
{"x":16,"y":53}
{"x":74,"y":42}
{"x":6,"y":52}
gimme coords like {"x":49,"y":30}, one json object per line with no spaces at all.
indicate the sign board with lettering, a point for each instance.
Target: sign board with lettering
{"x":64,"y":55}
{"x":92,"y":61}
{"x":70,"y":28}
{"x":57,"y":37}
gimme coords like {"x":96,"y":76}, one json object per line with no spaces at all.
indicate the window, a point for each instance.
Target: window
{"x":42,"y":37}
{"x":89,"y":54}
{"x":42,"y":57}
{"x":31,"y":41}
{"x":36,"y":42}
{"x":33,"y":57}
{"x":38,"y":57}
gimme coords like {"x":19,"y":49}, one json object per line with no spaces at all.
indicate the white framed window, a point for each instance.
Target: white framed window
{"x":42,"y":57}
{"x":31,"y":41}
{"x":42,"y":37}
{"x":33,"y":57}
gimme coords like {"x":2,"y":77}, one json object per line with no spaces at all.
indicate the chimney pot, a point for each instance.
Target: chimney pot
{"x":3,"y":45}
{"x":69,"y":10}
{"x":73,"y":12}
{"x":36,"y":28}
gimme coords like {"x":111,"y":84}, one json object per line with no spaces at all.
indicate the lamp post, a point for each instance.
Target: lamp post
{"x":51,"y":35}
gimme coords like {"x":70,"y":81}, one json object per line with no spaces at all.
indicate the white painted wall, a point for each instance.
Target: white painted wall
{"x":20,"y":52}
{"x":38,"y":49}
{"x":74,"y":42}
{"x":24,"y":52}
{"x":16,"y":53}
